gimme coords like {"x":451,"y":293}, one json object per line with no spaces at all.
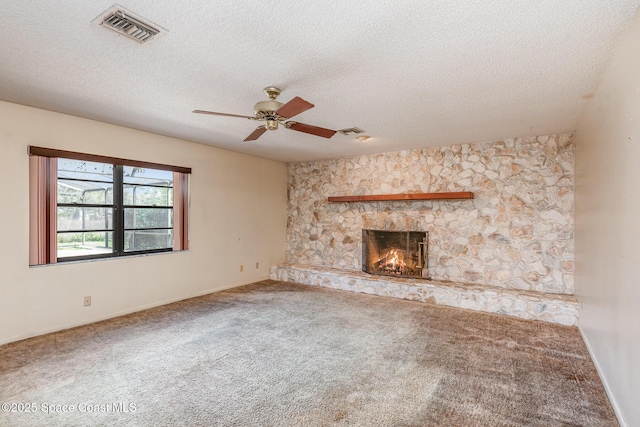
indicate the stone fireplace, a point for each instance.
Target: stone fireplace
{"x":516,"y":233}
{"x":509,"y":250}
{"x":395,"y":253}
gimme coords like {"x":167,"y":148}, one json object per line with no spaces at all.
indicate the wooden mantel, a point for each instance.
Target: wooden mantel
{"x":403,"y":196}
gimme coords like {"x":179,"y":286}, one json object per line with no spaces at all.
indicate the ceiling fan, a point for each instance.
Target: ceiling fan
{"x":274,"y":112}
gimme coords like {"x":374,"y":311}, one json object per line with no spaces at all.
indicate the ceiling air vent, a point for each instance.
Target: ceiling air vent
{"x":129,"y":24}
{"x":347,"y":131}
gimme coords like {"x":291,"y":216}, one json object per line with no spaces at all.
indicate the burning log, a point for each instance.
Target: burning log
{"x":391,"y":263}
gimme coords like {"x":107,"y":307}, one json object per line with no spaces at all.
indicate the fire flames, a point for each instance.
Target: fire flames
{"x":391,"y":263}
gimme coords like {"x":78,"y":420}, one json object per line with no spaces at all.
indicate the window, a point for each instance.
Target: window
{"x":86,"y":206}
{"x":84,"y":209}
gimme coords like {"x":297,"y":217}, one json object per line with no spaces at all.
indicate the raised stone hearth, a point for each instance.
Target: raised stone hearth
{"x":555,"y":308}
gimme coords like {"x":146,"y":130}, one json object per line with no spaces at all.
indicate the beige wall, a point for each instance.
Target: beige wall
{"x":608,"y":226}
{"x":238,"y":216}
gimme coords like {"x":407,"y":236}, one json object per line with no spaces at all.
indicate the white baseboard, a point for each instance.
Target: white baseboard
{"x":607,"y":389}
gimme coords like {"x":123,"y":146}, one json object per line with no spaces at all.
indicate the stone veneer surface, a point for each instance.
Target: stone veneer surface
{"x":531,"y":305}
{"x":516,"y":233}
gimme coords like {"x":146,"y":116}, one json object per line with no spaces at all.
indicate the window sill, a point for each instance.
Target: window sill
{"x":82,"y":261}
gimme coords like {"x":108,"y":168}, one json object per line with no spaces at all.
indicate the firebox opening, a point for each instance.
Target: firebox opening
{"x":395,"y":253}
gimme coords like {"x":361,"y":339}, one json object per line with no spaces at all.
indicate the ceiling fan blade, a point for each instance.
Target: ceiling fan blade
{"x":213,"y":113}
{"x":256,"y":134}
{"x":313,"y":130}
{"x":294,"y":107}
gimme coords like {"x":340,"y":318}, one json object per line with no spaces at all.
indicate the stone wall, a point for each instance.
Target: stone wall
{"x":516,"y":233}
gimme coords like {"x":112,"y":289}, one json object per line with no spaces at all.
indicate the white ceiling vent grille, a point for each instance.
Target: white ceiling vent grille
{"x":129,"y":24}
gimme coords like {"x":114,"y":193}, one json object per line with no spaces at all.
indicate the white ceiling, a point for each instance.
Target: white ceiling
{"x":412,"y":74}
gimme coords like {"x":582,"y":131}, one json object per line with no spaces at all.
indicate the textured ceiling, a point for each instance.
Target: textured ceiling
{"x":410,"y":73}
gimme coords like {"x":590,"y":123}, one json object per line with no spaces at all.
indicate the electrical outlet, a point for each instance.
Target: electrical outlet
{"x":87,"y":301}
{"x":257,"y":265}
{"x":241,"y":268}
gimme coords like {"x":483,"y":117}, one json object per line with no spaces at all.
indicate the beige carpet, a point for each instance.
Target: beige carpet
{"x":279,"y":354}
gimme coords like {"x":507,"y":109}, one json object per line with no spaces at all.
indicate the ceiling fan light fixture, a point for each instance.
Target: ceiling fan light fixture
{"x":363,"y":137}
{"x":273,"y":112}
{"x":267,"y":107}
